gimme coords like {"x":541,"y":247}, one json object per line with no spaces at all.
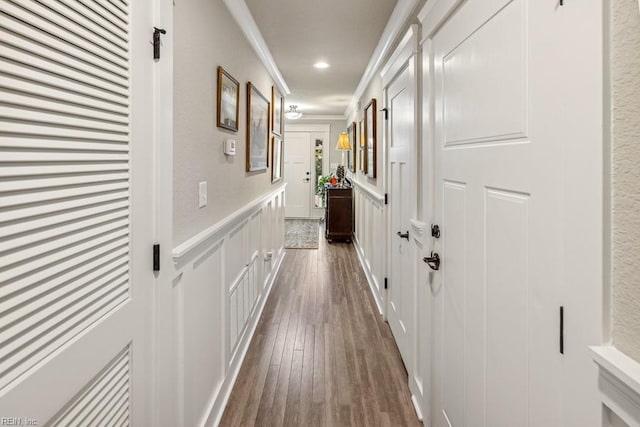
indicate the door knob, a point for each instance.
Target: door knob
{"x":433,"y":261}
{"x":403,"y":236}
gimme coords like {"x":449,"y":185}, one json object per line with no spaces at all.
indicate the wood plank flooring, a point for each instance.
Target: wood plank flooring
{"x":321,"y":354}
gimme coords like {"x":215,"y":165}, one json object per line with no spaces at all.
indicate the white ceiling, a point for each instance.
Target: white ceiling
{"x":343,"y":33}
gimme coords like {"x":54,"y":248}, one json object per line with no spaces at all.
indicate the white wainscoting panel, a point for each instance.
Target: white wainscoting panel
{"x":619,"y":385}
{"x":370,"y":239}
{"x":223,"y":277}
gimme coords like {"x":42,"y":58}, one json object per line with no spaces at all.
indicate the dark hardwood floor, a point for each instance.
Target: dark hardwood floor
{"x":321,"y":354}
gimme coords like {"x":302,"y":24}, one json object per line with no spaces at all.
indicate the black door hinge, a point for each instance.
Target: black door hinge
{"x":386,"y":198}
{"x":156,"y":257}
{"x":386,"y":113}
{"x":156,"y":41}
{"x":561,"y":330}
{"x":386,"y":283}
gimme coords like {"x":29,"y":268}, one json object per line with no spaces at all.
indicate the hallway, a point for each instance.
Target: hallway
{"x":321,"y":353}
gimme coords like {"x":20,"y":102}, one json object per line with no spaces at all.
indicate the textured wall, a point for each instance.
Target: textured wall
{"x":207,"y":36}
{"x":374,"y":90}
{"x":625,"y":174}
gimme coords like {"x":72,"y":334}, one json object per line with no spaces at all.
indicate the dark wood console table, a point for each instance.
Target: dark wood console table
{"x":338,"y":214}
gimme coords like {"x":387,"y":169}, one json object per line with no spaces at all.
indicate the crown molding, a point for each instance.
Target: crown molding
{"x":399,"y":16}
{"x":240,"y":12}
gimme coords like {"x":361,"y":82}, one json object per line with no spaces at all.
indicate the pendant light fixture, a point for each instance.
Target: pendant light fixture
{"x":293,"y":113}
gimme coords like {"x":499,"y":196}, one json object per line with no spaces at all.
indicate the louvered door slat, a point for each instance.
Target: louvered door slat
{"x":43,"y":311}
{"x":47,"y":338}
{"x":58,"y":50}
{"x":112,"y":12}
{"x":27,"y":299}
{"x":52,"y":195}
{"x":71,"y":145}
{"x":60,"y":83}
{"x":28,"y":101}
{"x":99,"y":38}
{"x":24,"y":57}
{"x":44,"y":280}
{"x":111,"y":385}
{"x":74,"y":62}
{"x":45,"y":92}
{"x":41,"y":250}
{"x":59,"y":170}
{"x":48,"y":234}
{"x":29,"y":225}
{"x":38,"y":211}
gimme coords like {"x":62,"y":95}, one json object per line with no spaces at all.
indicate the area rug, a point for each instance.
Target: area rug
{"x":301,"y":233}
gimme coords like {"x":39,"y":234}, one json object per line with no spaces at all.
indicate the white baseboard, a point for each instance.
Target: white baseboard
{"x":222,"y":398}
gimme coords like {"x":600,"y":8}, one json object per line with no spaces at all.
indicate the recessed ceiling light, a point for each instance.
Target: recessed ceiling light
{"x":321,"y":65}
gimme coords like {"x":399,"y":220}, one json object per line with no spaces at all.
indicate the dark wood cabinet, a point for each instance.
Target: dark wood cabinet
{"x":339,"y":214}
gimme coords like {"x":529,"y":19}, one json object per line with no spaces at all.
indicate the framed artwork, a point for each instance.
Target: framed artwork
{"x":361,"y":145}
{"x":277,"y":105}
{"x":257,"y":130}
{"x":370,"y":138}
{"x":277,"y":158}
{"x":228,"y":101}
{"x":351,"y":161}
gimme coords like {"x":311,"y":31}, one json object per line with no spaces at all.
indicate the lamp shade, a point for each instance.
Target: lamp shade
{"x":343,"y":142}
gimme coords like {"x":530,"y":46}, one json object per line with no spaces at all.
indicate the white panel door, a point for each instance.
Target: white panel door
{"x":297,"y":174}
{"x":75,"y":138}
{"x":502,"y":123}
{"x":402,"y":195}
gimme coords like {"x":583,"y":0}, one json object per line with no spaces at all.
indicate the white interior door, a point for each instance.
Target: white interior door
{"x":401,"y":307}
{"x":74,"y":164}
{"x":503,"y":123}
{"x":297,"y":174}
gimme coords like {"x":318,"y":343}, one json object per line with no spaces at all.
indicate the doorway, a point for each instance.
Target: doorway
{"x":305,"y":161}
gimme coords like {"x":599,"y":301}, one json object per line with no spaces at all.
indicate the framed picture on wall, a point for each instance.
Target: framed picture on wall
{"x":277,"y":158}
{"x":370,"y":138}
{"x":257,"y":129}
{"x":277,"y":105}
{"x":228,"y":101}
{"x":361,"y":145}
{"x":351,"y":131}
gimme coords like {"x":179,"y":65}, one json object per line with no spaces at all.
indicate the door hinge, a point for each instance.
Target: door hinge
{"x":386,"y":198}
{"x":156,"y":41}
{"x":386,"y":113}
{"x":561,"y":329}
{"x":386,"y":283}
{"x":156,"y":257}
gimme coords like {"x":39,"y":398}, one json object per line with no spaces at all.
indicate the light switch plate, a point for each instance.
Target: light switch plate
{"x":202,"y":194}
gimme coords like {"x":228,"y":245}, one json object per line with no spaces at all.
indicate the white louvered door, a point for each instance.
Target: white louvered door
{"x":75,"y":220}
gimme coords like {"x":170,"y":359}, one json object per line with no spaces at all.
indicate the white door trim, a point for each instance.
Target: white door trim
{"x":307,"y":128}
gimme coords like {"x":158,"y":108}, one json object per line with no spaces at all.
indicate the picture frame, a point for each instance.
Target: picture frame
{"x":228,"y":101}
{"x":361,"y":145}
{"x":370,"y":137}
{"x":258,"y":109}
{"x":352,"y":131}
{"x":277,"y":158}
{"x":277,"y":107}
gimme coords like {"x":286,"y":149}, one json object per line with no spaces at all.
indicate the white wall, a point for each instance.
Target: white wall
{"x":206,"y":36}
{"x":625,"y":174}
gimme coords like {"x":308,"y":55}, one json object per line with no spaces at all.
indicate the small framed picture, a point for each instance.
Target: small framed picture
{"x":351,"y":131}
{"x":257,"y":130}
{"x":277,"y":105}
{"x":228,"y":101}
{"x":370,"y":138}
{"x":361,"y":145}
{"x":277,"y":158}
